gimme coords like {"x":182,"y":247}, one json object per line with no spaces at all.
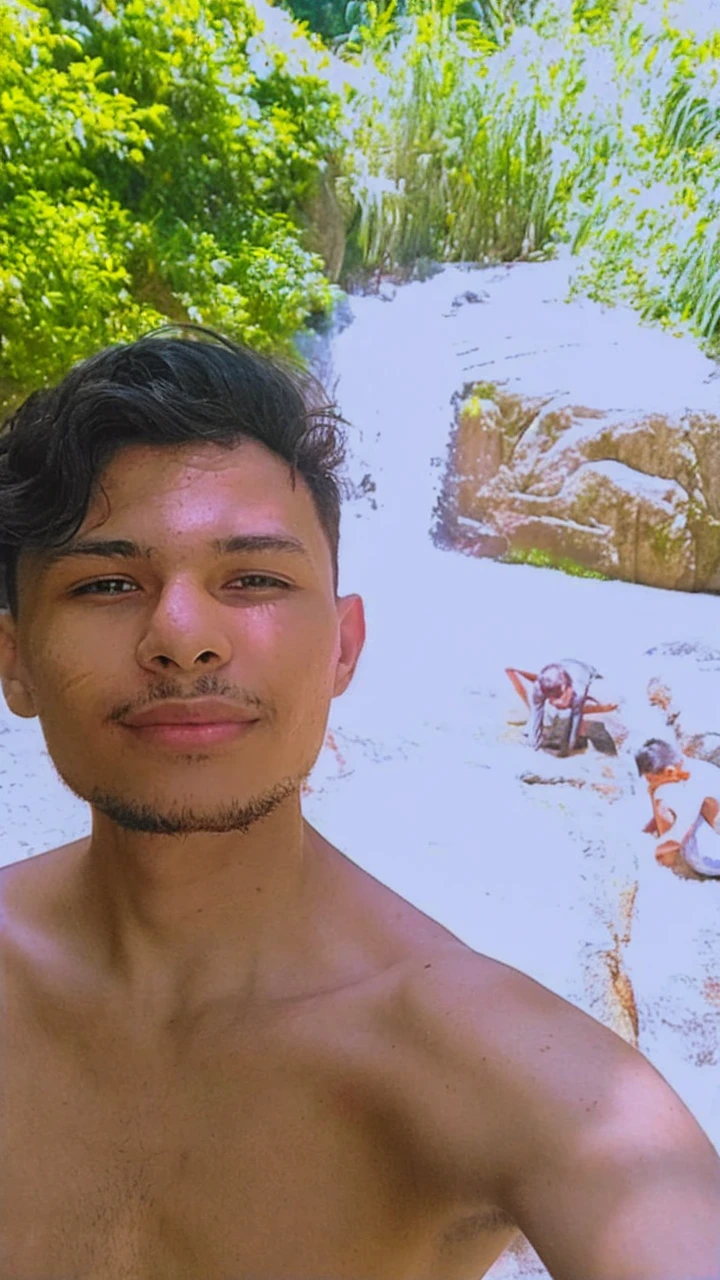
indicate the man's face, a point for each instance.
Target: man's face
{"x":281,"y":648}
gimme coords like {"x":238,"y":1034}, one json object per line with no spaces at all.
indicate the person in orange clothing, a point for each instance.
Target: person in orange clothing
{"x":694,"y":818}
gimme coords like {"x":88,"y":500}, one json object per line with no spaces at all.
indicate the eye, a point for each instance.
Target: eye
{"x":86,"y":589}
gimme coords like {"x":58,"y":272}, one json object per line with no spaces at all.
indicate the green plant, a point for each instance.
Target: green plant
{"x":648,"y":235}
{"x":543,"y":560}
{"x":594,"y":124}
{"x":447,"y":160}
{"x":157,"y":157}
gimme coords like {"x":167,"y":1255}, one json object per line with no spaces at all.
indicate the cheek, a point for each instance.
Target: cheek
{"x":87,"y":680}
{"x":310,"y":677}
{"x":64,"y":678}
{"x":304,"y":682}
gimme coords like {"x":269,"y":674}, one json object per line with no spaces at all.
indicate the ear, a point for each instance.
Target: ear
{"x":351,"y":618}
{"x":15,"y":686}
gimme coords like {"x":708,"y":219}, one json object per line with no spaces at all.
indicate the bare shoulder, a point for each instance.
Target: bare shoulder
{"x":20,"y":876}
{"x":544,"y":1105}
{"x":528,"y":1046}
{"x":16,"y":880}
{"x":458,"y":991}
{"x":29,"y":889}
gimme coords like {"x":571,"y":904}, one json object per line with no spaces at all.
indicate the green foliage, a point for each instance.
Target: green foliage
{"x":330,"y":19}
{"x":649,"y":235}
{"x":593,"y":123}
{"x":63,"y":275}
{"x":349,"y":23}
{"x":543,"y":560}
{"x":264,"y":288}
{"x":157,"y":156}
{"x":64,"y":283}
{"x":447,"y":160}
{"x":594,"y":16}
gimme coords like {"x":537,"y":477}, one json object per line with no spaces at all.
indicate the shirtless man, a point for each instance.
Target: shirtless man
{"x":228,"y":1053}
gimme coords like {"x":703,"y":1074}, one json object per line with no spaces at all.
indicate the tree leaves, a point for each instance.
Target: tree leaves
{"x":134,"y":132}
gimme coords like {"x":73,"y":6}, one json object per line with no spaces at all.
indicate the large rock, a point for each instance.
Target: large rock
{"x":633,"y":496}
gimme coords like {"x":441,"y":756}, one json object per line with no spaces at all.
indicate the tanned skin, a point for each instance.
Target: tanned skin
{"x":229,"y":1053}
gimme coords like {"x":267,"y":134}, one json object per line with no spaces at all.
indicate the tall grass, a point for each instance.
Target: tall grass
{"x":651,"y":233}
{"x":447,"y":160}
{"x":595,"y":125}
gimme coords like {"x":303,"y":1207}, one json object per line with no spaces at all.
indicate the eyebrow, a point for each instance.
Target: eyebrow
{"x":127,"y":548}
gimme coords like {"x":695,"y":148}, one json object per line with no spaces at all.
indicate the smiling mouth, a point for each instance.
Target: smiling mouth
{"x":192,"y":733}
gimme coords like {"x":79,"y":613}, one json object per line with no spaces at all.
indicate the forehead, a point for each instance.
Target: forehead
{"x":189,"y":484}
{"x":173,"y":495}
{"x":248,"y":468}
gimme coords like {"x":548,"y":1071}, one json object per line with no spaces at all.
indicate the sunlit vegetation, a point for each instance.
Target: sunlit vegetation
{"x":596,"y":127}
{"x":149,"y":173}
{"x":158,"y":156}
{"x":544,"y":560}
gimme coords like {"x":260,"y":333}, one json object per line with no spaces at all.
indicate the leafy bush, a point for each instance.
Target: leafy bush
{"x":157,"y":154}
{"x":347,"y":21}
{"x":64,"y":283}
{"x":64,"y":280}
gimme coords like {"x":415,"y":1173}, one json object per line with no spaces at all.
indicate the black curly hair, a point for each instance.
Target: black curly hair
{"x":176,"y":385}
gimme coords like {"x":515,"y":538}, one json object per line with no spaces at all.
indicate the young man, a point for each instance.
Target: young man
{"x":228,"y":1052}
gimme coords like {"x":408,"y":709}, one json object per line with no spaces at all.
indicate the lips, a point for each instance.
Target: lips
{"x":198,"y":711}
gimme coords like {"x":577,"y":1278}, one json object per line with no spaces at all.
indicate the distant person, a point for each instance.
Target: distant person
{"x":226,"y":1050}
{"x":689,"y":809}
{"x":558,"y":700}
{"x":561,"y":706}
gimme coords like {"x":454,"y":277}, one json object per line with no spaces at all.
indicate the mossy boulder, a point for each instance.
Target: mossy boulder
{"x":628,"y":496}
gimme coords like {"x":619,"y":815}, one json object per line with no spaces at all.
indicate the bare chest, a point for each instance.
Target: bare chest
{"x":273,"y":1148}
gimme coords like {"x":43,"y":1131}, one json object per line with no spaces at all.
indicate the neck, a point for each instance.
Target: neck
{"x":171,"y":923}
